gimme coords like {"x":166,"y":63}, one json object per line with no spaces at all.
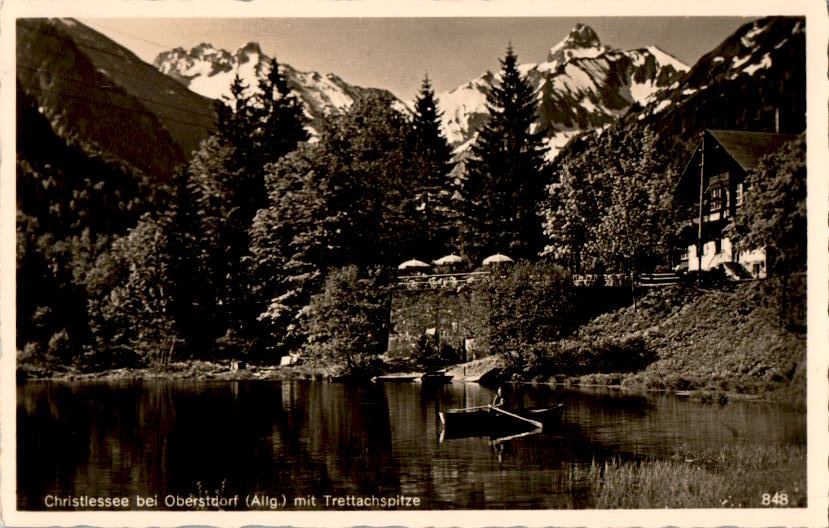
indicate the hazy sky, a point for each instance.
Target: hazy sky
{"x":395,"y":53}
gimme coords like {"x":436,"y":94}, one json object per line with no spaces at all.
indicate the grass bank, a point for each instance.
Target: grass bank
{"x":194,"y":369}
{"x":717,"y":341}
{"x":730,"y":477}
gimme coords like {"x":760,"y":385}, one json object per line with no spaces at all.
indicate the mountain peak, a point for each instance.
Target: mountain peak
{"x":252,"y":47}
{"x":251,"y":52}
{"x":581,"y":37}
{"x":201,"y":48}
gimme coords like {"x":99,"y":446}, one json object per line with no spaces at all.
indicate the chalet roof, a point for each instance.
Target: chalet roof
{"x":745,"y":148}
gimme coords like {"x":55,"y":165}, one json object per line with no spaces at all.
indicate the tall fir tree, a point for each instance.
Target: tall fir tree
{"x":280,"y":121}
{"x":504,"y":175}
{"x":225,"y":192}
{"x":280,"y":116}
{"x":235,"y":118}
{"x":227,"y":185}
{"x":434,"y":189}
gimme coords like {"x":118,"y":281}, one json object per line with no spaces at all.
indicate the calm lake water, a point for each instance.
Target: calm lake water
{"x":277,"y":441}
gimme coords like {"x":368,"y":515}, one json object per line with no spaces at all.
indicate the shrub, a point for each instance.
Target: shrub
{"x":578,"y":357}
{"x":531,"y":304}
{"x":110,"y":358}
{"x":59,"y":345}
{"x":678,"y":382}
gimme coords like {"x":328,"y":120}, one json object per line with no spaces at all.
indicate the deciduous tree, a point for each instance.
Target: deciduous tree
{"x":348,"y":319}
{"x":530,"y":303}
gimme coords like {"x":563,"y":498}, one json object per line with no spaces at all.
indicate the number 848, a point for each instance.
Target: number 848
{"x":780,"y":498}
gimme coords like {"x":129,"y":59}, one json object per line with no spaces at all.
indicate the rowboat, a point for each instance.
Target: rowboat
{"x":393,"y":379}
{"x":486,"y":419}
{"x":436,"y":378}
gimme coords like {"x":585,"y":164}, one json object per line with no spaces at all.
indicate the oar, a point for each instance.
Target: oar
{"x":513,"y":437}
{"x":533,"y":422}
{"x":474,"y":408}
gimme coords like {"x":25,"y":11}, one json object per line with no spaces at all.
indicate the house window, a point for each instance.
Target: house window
{"x":718,"y":246}
{"x":716,"y":199}
{"x":725,"y":202}
{"x":739,"y":198}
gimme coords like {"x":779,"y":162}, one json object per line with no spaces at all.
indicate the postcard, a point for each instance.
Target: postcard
{"x":428,"y":264}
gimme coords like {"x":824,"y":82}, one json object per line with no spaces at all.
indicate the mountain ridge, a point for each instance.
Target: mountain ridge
{"x":209,"y":71}
{"x":588,"y":85}
{"x":97,"y":92}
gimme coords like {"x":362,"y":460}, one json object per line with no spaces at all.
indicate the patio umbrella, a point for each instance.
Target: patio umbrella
{"x":497,"y":259}
{"x":448,"y":259}
{"x":411,"y":264}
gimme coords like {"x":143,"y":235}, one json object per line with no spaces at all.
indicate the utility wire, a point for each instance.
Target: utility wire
{"x":127,"y":56}
{"x":119,"y":107}
{"x":165,"y":47}
{"x":114,"y":89}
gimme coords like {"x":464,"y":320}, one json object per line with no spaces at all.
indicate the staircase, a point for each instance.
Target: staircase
{"x":737,"y":272}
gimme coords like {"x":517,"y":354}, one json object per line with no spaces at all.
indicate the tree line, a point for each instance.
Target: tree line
{"x":269,"y":241}
{"x":244,"y":250}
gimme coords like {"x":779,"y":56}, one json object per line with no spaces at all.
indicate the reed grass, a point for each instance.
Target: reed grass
{"x":730,"y":477}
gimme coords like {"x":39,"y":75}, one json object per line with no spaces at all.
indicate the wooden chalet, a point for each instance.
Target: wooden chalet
{"x":714,"y":182}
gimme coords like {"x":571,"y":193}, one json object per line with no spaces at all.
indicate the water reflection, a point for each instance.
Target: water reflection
{"x":310,"y":438}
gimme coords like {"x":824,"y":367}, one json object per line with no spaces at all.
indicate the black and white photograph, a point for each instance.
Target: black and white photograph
{"x":460,"y":266}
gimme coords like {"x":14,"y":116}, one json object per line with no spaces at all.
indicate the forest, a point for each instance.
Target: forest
{"x":266,"y":243}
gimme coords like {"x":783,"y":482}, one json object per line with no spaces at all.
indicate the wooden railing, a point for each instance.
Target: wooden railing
{"x":610,"y":280}
{"x":439,"y":280}
{"x":590,"y":280}
{"x":616,"y":280}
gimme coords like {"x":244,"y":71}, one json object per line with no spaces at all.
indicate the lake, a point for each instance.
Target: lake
{"x":288,"y":445}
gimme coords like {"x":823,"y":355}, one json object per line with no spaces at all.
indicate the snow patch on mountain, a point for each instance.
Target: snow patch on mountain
{"x":642,"y":92}
{"x":558,"y":141}
{"x":748,"y":40}
{"x":665,"y":103}
{"x":739,"y":61}
{"x":765,"y":62}
{"x":666,"y":59}
{"x":459,"y":106}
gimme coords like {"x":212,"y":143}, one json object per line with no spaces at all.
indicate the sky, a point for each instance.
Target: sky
{"x":396,"y":53}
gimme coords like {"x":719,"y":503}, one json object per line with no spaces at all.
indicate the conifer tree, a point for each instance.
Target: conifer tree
{"x":280,"y":117}
{"x":226,"y":190}
{"x":434,"y":190}
{"x":280,"y":129}
{"x":504,"y":174}
{"x":235,"y":117}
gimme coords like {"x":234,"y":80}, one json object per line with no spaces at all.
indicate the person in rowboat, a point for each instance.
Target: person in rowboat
{"x":498,"y":400}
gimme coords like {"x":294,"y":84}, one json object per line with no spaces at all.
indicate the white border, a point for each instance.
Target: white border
{"x":817,"y":23}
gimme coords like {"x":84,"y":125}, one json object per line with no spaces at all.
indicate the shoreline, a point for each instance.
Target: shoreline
{"x":207,"y":371}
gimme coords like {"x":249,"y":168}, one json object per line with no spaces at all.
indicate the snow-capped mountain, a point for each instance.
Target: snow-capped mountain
{"x":755,"y":80}
{"x":766,"y":53}
{"x":209,"y":71}
{"x":583,"y":85}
